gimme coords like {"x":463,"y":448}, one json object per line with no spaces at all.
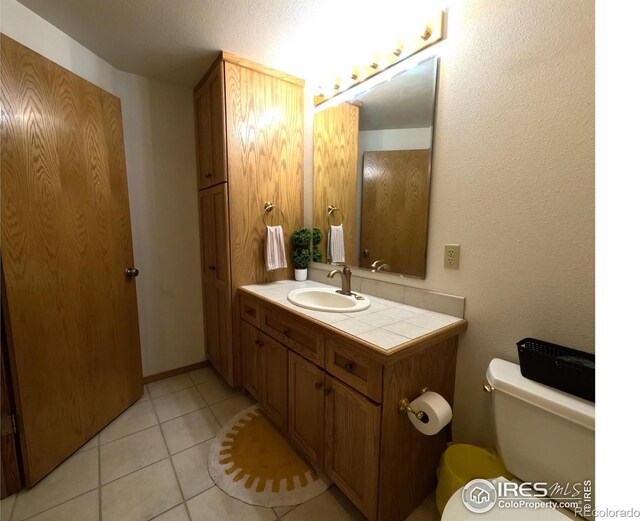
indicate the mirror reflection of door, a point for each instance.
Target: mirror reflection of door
{"x":395,"y":200}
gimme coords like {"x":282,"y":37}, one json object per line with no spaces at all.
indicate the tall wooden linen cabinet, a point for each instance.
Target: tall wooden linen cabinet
{"x":249,"y":135}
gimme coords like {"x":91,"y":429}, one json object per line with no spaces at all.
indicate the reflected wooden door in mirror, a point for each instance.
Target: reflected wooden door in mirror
{"x":395,"y":196}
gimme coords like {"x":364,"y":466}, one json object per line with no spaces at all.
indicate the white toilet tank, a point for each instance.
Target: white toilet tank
{"x":543,"y":435}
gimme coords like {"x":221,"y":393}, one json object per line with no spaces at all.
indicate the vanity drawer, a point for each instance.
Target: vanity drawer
{"x":250,"y":310}
{"x":344,"y":361}
{"x":294,"y":334}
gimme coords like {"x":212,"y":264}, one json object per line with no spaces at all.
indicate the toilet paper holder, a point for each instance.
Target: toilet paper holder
{"x":404,"y":407}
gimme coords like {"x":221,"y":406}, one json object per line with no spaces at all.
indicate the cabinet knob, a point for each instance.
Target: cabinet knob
{"x":208,"y":174}
{"x":348,"y":366}
{"x":287,"y":331}
{"x":327,"y":390}
{"x":319,"y":385}
{"x":212,"y":268}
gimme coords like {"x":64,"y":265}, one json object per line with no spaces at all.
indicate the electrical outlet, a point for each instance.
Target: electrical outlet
{"x":452,"y":256}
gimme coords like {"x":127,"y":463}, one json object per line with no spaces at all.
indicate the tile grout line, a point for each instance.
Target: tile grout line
{"x":54,"y":506}
{"x":175,"y":473}
{"x":99,"y":481}
{"x":13,"y":507}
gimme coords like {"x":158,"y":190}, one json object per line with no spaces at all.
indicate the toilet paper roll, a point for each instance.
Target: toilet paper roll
{"x":438,"y":413}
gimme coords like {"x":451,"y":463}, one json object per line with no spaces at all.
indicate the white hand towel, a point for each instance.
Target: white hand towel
{"x":274,"y":255}
{"x":335,"y":248}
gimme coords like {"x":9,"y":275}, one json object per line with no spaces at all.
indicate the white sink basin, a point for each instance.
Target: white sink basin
{"x":326,"y":299}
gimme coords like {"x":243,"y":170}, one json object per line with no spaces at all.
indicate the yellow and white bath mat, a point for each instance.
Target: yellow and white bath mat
{"x":253,"y":462}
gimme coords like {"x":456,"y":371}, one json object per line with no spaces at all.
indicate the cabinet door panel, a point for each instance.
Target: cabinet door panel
{"x":251,"y":353}
{"x":352,"y":450}
{"x":202,"y":102}
{"x":218,"y":127}
{"x":274,"y":381}
{"x":306,"y":407}
{"x":215,"y":277}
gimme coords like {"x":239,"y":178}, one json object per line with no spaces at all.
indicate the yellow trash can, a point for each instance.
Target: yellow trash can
{"x":461,"y":463}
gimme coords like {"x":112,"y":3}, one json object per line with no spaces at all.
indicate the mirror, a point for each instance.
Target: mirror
{"x":372,"y":173}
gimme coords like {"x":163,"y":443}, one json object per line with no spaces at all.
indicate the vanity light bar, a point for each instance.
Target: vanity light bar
{"x":432,"y":34}
{"x":373,"y":81}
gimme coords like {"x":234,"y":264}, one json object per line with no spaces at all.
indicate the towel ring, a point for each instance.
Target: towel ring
{"x":268,"y":208}
{"x":331,"y":210}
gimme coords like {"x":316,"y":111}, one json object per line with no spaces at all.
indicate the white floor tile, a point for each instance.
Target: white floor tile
{"x":205,"y":374}
{"x":281,"y":511}
{"x":216,"y":390}
{"x":178,"y":513}
{"x":77,"y":475}
{"x":227,"y":409}
{"x":425,"y":511}
{"x":6,"y":507}
{"x":136,"y":418}
{"x":216,"y":505}
{"x":91,"y":444}
{"x":145,"y":395}
{"x":192,"y":468}
{"x":169,"y":385}
{"x":141,"y":495}
{"x":128,"y":454}
{"x":179,"y":403}
{"x":82,"y":508}
{"x":188,"y":430}
{"x":331,"y":505}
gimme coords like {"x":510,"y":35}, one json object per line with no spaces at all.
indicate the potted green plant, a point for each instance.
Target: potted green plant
{"x":301,"y":252}
{"x":316,"y":254}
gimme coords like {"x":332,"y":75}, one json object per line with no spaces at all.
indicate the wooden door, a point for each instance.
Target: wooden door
{"x":71,"y":312}
{"x":204,"y":143}
{"x":251,"y":353}
{"x":11,"y":475}
{"x":352,"y":445}
{"x":306,"y":408}
{"x":214,"y":230}
{"x":395,"y":210}
{"x":275,"y":365}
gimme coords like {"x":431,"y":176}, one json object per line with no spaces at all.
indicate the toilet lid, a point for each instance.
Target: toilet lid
{"x":455,"y":510}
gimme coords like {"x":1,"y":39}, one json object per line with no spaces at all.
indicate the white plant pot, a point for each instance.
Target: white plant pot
{"x":300,"y":274}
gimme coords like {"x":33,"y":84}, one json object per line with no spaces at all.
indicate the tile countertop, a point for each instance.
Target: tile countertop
{"x":385,"y":324}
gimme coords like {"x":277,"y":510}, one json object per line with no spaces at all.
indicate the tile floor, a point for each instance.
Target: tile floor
{"x":151,"y":463}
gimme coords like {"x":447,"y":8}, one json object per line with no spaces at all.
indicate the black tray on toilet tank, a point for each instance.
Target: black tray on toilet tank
{"x":563,"y":368}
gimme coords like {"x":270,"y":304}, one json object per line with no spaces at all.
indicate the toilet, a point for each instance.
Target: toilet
{"x":543,"y":435}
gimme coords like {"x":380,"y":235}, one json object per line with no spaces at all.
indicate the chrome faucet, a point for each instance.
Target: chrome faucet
{"x":380,"y":266}
{"x":346,"y":280}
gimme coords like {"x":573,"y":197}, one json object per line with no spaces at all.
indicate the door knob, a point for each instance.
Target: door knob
{"x":131,"y":273}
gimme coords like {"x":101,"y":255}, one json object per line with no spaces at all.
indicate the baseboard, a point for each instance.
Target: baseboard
{"x":174,"y":372}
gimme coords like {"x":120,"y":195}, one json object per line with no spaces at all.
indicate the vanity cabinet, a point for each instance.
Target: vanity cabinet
{"x":352,"y":445}
{"x":307,"y":407}
{"x":342,"y":396}
{"x":244,"y":160}
{"x":264,"y":363}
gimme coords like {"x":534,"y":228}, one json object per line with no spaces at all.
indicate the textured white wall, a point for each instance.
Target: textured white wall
{"x":513,"y":183}
{"x":160,"y":153}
